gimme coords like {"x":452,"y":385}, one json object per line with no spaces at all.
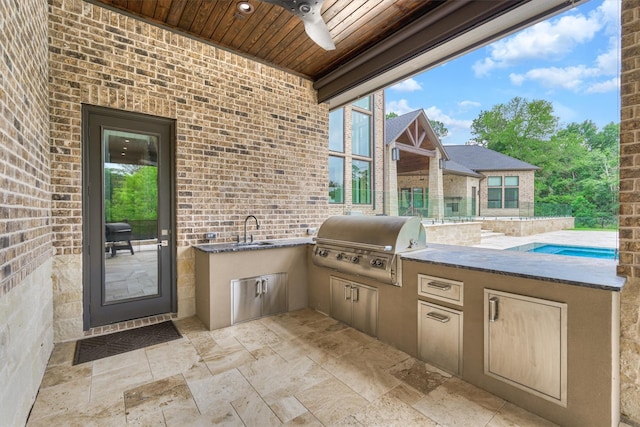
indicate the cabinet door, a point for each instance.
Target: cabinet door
{"x":274,"y":293}
{"x":440,"y":337}
{"x":526,"y":343}
{"x":365,"y":309}
{"x":246,"y":300}
{"x":341,"y":300}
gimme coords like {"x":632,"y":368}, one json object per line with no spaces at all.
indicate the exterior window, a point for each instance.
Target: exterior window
{"x":510,"y":198}
{"x":364,"y":103}
{"x":418,"y":198}
{"x":361,"y":134}
{"x":494,"y":198}
{"x":336,"y":179}
{"x":361,"y":182}
{"x":494,"y":181}
{"x":336,"y":130}
{"x":511,"y":192}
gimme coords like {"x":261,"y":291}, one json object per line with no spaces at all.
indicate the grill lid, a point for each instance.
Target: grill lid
{"x":380,"y":233}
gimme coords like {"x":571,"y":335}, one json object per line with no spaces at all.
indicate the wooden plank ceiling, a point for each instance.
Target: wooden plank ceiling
{"x":273,"y":35}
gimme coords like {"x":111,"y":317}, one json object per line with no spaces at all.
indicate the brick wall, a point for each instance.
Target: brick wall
{"x":250,"y":139}
{"x":26,"y":311}
{"x":629,"y":264}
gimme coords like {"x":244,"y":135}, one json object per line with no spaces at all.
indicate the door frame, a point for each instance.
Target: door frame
{"x":87,"y":111}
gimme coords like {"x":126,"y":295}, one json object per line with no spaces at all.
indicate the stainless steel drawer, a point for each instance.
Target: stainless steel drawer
{"x":440,"y":337}
{"x":441,"y":289}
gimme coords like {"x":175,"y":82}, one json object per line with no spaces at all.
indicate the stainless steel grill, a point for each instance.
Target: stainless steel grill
{"x":367,"y":245}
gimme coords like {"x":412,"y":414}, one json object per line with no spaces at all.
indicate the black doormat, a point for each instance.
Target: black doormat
{"x":120,"y":342}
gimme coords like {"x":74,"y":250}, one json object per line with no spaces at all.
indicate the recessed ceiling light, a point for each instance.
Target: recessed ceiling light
{"x":245,"y":7}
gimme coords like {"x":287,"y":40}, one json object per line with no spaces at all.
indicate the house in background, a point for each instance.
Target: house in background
{"x":436,"y":181}
{"x":504,"y":186}
{"x":415,"y":165}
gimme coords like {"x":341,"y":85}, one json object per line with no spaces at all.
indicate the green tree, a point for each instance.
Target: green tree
{"x":518,"y":129}
{"x":439,"y":128}
{"x":136,"y":196}
{"x":390,"y":115}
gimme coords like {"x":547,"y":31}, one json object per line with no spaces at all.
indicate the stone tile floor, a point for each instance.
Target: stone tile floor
{"x":298,"y":368}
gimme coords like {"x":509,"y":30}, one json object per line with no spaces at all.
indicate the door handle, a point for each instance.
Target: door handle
{"x":357,"y":292}
{"x":265,"y":286}
{"x":258,"y":288}
{"x":493,"y":309}
{"x":347,"y":292}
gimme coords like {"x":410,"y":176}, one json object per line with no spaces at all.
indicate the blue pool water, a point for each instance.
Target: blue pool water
{"x":568,"y":250}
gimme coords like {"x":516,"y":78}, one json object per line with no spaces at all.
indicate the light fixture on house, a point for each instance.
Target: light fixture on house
{"x":244,"y":7}
{"x":395,"y":154}
{"x":441,"y":163}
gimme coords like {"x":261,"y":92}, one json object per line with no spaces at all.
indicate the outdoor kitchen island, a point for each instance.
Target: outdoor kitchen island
{"x":540,"y":331}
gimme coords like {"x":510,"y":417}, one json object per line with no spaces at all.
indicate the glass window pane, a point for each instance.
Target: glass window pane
{"x":494,"y":198}
{"x":405,"y":198}
{"x":361,"y":182}
{"x":336,"y":179}
{"x":336,"y":130}
{"x":361,"y":134}
{"x":511,"y":181}
{"x":364,"y":103}
{"x":511,"y":197}
{"x":494,"y":181}
{"x":418,"y":199}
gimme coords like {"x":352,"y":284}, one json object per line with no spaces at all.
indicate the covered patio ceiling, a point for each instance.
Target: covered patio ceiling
{"x":377,"y":42}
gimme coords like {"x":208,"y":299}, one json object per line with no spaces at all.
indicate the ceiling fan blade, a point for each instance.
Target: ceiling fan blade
{"x":309,"y":13}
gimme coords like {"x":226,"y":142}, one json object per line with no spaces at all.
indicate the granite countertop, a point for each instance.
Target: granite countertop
{"x":216,"y":248}
{"x":587,"y":272}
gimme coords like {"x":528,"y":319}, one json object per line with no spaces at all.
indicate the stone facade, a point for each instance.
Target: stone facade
{"x":251,"y":139}
{"x":377,"y":205}
{"x":455,"y":233}
{"x":26,"y":303}
{"x":629,"y":264}
{"x":527,"y":226}
{"x":459,"y":198}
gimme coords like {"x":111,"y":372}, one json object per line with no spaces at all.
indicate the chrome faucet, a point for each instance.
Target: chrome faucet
{"x":245,"y":228}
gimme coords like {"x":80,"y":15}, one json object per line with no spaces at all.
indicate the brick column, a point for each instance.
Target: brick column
{"x":629,"y":265}
{"x":436,"y":187}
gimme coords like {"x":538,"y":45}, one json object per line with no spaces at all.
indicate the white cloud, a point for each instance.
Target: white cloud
{"x":605,"y":86}
{"x":549,"y":40}
{"x":466,"y":104}
{"x":570,"y":78}
{"x":434,"y":113}
{"x":399,"y":107}
{"x":410,"y":85}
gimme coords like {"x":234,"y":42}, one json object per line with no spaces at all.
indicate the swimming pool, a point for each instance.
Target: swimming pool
{"x":568,"y":250}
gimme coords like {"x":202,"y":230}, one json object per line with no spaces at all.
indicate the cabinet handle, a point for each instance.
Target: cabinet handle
{"x":493,"y":309}
{"x":357,"y":292}
{"x":439,"y":286}
{"x":347,"y":292}
{"x":439,"y":317}
{"x":258,"y":288}
{"x":265,"y":286}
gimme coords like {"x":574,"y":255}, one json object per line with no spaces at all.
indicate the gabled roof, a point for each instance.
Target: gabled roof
{"x":395,"y":126}
{"x":480,"y":159}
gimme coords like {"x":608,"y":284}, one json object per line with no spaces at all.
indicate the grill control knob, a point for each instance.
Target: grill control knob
{"x":323,"y":252}
{"x":339,"y":256}
{"x":355,"y":259}
{"x":377,"y":262}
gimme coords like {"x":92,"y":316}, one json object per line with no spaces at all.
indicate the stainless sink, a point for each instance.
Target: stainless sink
{"x":253,"y":244}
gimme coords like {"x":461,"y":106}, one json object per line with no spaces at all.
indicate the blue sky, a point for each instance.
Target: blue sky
{"x":571,"y":60}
